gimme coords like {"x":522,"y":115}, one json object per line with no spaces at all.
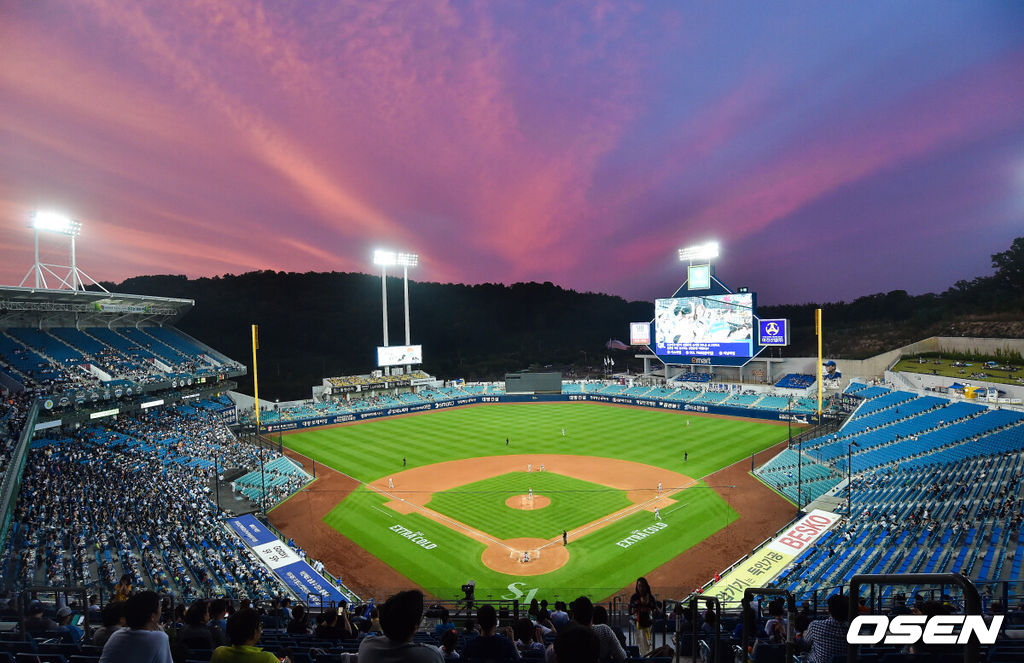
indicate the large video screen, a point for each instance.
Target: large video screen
{"x":711,"y":326}
{"x":397,"y":355}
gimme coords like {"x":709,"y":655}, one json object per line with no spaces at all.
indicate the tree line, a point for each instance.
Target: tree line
{"x":316,"y":324}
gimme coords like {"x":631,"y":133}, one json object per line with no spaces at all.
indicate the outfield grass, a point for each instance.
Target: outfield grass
{"x":374,"y":449}
{"x":574,"y":503}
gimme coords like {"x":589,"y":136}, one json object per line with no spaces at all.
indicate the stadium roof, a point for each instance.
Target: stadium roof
{"x":27,"y":306}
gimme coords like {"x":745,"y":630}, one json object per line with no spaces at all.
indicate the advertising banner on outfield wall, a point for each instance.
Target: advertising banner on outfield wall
{"x":280,"y":558}
{"x":748,"y":413}
{"x":766,"y":563}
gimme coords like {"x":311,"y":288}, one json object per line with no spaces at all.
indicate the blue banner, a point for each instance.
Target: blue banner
{"x":293,"y":570}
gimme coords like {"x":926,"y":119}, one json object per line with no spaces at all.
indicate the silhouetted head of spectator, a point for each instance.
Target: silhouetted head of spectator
{"x":113,"y":614}
{"x":450,"y":640}
{"x":218,"y":608}
{"x":142,"y":610}
{"x":601,"y":614}
{"x":838,"y":607}
{"x":577,"y":644}
{"x":197,"y":614}
{"x":401,"y":614}
{"x":244,"y":627}
{"x":299,"y":613}
{"x":524,"y":630}
{"x":488,"y":618}
{"x":35,"y":609}
{"x":583,"y":611}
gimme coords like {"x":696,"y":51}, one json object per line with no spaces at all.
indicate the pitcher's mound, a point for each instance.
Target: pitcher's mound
{"x":527,"y":503}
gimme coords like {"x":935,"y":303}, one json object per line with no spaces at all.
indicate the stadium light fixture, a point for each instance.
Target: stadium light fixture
{"x":408,"y":259}
{"x":55,"y":222}
{"x":699,"y":252}
{"x":385,"y":258}
{"x":48,"y":221}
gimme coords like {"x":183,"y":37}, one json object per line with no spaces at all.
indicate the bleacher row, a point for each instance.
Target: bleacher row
{"x":70,"y":361}
{"x":134,"y":496}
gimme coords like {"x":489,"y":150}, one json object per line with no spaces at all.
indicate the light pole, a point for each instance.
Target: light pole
{"x":407,"y":260}
{"x":849,"y":478}
{"x":384,"y":258}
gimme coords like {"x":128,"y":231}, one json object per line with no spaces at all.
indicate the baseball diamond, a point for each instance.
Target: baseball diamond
{"x":486,"y":508}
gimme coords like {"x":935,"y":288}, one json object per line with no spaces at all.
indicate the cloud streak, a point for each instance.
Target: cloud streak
{"x":576,"y":143}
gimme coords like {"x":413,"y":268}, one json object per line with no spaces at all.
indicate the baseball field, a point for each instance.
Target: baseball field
{"x":486,"y":492}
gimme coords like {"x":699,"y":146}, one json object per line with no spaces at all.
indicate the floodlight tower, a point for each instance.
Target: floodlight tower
{"x":407,"y":260}
{"x":58,"y":224}
{"x":384,"y":259}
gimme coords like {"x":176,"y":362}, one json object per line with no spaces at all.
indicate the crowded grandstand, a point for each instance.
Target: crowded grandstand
{"x":136,"y":485}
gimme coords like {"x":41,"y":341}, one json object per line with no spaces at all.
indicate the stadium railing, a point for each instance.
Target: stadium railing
{"x":12,"y":478}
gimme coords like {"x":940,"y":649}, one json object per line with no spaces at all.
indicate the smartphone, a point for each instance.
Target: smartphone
{"x":78,"y":620}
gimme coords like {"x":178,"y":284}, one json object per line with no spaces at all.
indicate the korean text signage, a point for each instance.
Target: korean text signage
{"x":292,"y":569}
{"x":773,"y":333}
{"x":766,"y":563}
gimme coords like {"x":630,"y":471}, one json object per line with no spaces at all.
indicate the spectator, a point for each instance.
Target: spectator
{"x":560,"y":618}
{"x":610,"y":649}
{"x":218,"y":621}
{"x":141,"y":641}
{"x":826,"y":638}
{"x":601,"y":617}
{"x":113,"y":619}
{"x":777,"y":625}
{"x":34,"y":623}
{"x":244,"y":630}
{"x":334,"y":626}
{"x":299,"y":623}
{"x":527,"y":636}
{"x":123,"y":588}
{"x":72,"y":633}
{"x":94,"y":611}
{"x":642,"y":606}
{"x":489,"y":646}
{"x":576,"y":644}
{"x":196,"y":634}
{"x":449,"y":643}
{"x":444,"y":623}
{"x":400,"y":617}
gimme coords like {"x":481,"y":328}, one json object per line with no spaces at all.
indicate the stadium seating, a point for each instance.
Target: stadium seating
{"x":795,"y":381}
{"x":135,"y":497}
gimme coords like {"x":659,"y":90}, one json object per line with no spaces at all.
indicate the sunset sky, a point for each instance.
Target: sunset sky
{"x":834,"y":149}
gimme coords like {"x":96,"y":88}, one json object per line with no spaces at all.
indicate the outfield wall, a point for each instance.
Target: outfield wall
{"x":315,"y":422}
